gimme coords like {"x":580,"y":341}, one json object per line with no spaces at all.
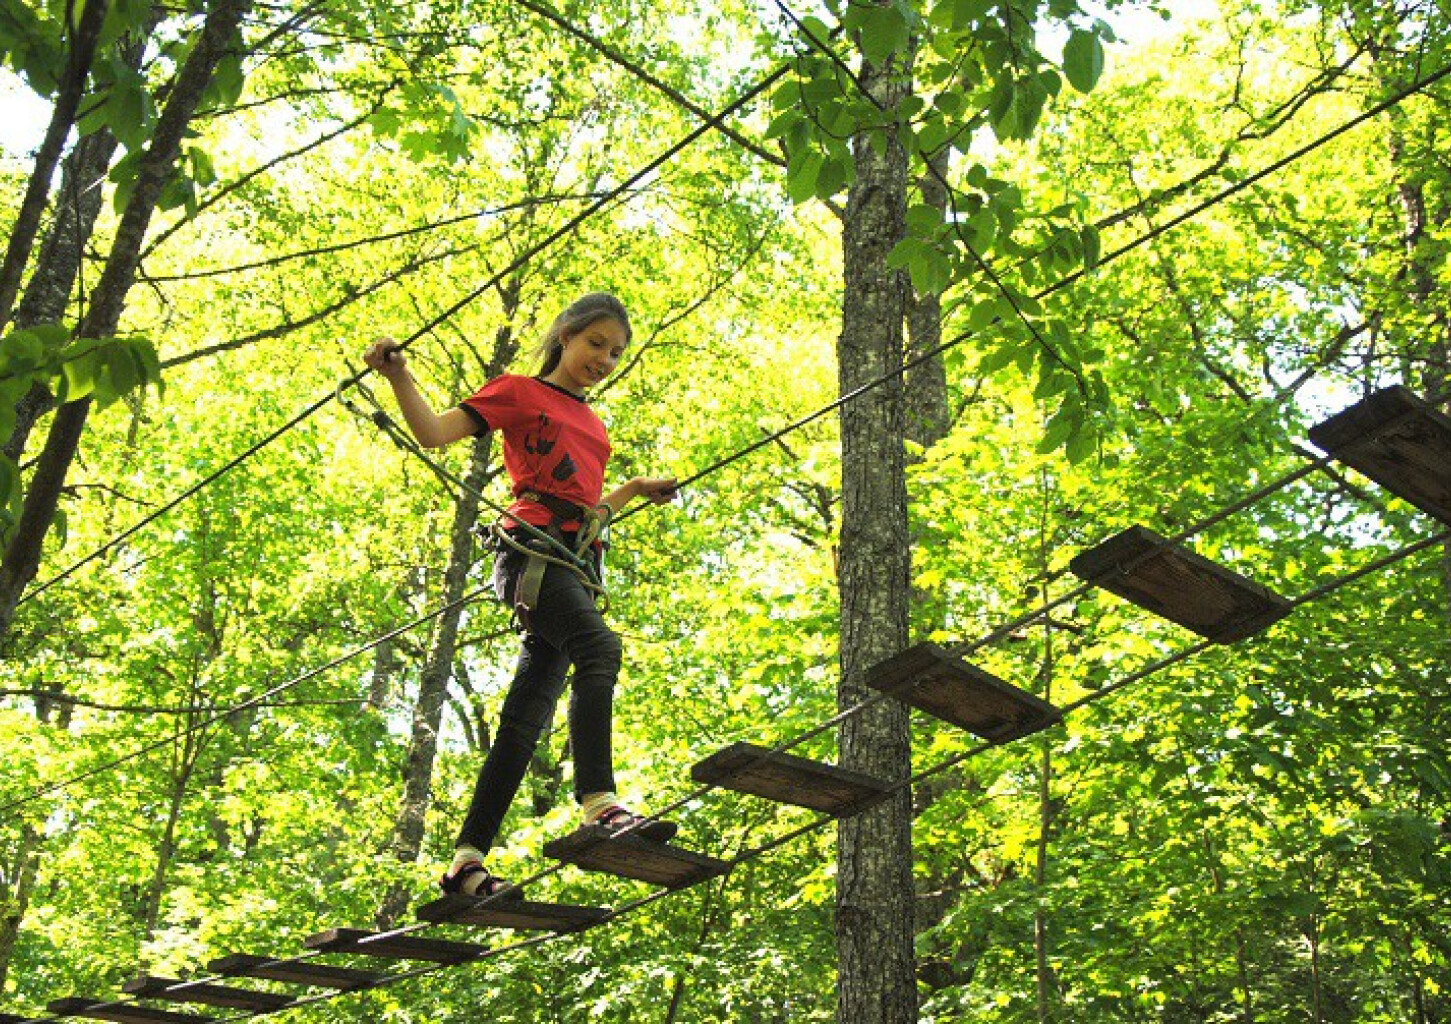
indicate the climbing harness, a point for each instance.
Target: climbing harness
{"x":541,"y":546}
{"x":585,"y":553}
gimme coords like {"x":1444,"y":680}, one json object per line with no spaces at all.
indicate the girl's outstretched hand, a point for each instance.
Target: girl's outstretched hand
{"x":657,"y":490}
{"x":385,"y":357}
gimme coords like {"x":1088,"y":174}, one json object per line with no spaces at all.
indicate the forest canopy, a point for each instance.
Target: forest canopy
{"x":249,"y":658}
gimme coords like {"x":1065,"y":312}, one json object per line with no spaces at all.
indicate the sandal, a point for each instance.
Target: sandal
{"x":618,"y":819}
{"x":489,"y":886}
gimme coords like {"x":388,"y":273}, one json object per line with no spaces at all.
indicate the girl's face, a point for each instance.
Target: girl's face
{"x":589,"y":355}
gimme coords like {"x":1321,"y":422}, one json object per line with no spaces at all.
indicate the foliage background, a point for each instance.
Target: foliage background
{"x":1258,"y":833}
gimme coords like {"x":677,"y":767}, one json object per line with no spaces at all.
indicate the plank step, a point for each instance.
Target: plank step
{"x":596,"y":848}
{"x":122,"y":1013}
{"x":788,"y":779}
{"x":207,"y":993}
{"x":1180,"y":585}
{"x":523,"y":915}
{"x":394,"y":947}
{"x":928,"y":678}
{"x":293,"y":972}
{"x":1399,"y":441}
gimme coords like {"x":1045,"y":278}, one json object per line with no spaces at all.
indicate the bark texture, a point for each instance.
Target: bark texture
{"x":73,"y":78}
{"x":408,"y":828}
{"x":876,"y":966}
{"x":22,"y":556}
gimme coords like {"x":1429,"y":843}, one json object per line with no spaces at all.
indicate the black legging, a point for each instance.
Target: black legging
{"x":566,"y":628}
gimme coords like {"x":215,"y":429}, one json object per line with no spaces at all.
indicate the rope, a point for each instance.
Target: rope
{"x":771,"y":845}
{"x":572,"y":559}
{"x":755,"y":852}
{"x":528,"y":253}
{"x":777,"y":435}
{"x":1219,"y":197}
{"x":252,"y":702}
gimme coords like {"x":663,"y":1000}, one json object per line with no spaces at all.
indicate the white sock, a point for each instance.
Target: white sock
{"x":594,"y":804}
{"x":462,"y":855}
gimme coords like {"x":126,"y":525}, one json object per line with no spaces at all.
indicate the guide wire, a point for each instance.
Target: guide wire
{"x":1067,"y":281}
{"x":773,"y":844}
{"x":528,"y":253}
{"x":1099,"y":694}
{"x":251,"y":702}
{"x":774,"y":437}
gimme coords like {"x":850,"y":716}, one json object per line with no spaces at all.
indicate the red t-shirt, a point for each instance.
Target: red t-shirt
{"x":553,"y":442}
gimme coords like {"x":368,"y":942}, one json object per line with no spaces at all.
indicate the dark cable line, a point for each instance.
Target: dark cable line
{"x":515,"y":264}
{"x":252,"y":702}
{"x":1214,"y":200}
{"x":838,"y":403}
{"x":1157,"y":666}
{"x":843,"y":400}
{"x":771,"y":845}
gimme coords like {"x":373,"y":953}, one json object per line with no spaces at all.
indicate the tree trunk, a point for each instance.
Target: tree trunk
{"x":926,"y":396}
{"x":59,"y":264}
{"x":188,"y":748}
{"x":407,"y":839}
{"x":408,"y":828}
{"x":876,"y":975}
{"x":27,"y":861}
{"x":1046,"y":809}
{"x":63,"y":115}
{"x":22,"y":557}
{"x":1420,"y":275}
{"x":17,"y":898}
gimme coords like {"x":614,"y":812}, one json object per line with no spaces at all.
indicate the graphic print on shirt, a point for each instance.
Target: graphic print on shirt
{"x":541,"y":441}
{"x":565,"y":469}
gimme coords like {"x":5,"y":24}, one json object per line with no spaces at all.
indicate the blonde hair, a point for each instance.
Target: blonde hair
{"x":578,"y":315}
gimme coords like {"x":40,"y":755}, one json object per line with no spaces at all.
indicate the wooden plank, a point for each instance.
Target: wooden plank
{"x":786,"y":778}
{"x":1179,"y":585}
{"x":523,"y":915}
{"x":596,"y":848}
{"x":227,"y":996}
{"x":293,"y":972}
{"x":1399,"y":441}
{"x":394,"y":947}
{"x":927,"y":677}
{"x":122,"y":1013}
{"x":14,"y":1018}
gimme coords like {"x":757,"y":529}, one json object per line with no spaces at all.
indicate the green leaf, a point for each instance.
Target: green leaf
{"x":227,"y":82}
{"x":783,"y":122}
{"x":1061,"y":426}
{"x":835,"y":174}
{"x":1082,"y":443}
{"x":1089,"y":234}
{"x":78,"y":379}
{"x":1083,"y":59}
{"x":984,"y":313}
{"x":11,"y":392}
{"x":930,"y":270}
{"x":884,"y":31}
{"x":923,"y":219}
{"x":21,"y":351}
{"x":997,"y":359}
{"x":969,"y":12}
{"x":801,"y":174}
{"x":1003,"y":109}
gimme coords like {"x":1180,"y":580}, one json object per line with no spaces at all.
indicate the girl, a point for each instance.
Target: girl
{"x":555,"y":450}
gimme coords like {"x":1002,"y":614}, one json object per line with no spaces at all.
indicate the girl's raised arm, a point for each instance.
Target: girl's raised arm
{"x":430,"y":429}
{"x":657,"y":489}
